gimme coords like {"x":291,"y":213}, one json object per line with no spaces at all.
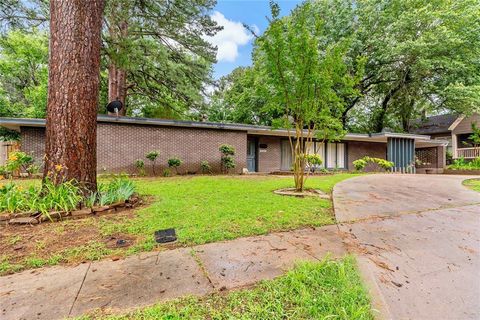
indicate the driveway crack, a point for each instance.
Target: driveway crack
{"x":79,"y":289}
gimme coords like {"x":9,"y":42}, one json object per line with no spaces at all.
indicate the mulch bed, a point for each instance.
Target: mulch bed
{"x":305,"y":193}
{"x":44,"y":240}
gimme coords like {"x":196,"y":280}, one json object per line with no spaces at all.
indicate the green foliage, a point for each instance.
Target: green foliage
{"x":63,"y":197}
{"x":33,"y":169}
{"x":152,"y":156}
{"x":313,"y":161}
{"x":118,"y":190}
{"x":305,"y":78}
{"x":227,"y":150}
{"x":475,"y":136}
{"x":227,"y":160}
{"x":236,"y":100}
{"x":328,"y":289}
{"x":473,"y":184}
{"x":205,"y":167}
{"x":360,"y":164}
{"x":18,"y":160}
{"x":462,"y":164}
{"x":166,"y":172}
{"x":174,"y":162}
{"x":66,"y":196}
{"x":23,"y":76}
{"x":140,"y":165}
{"x":403,"y":57}
{"x":162,"y":46}
{"x":420,"y":56}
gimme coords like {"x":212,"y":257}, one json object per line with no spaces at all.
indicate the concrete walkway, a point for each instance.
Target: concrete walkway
{"x":419,"y":236}
{"x":59,"y":292}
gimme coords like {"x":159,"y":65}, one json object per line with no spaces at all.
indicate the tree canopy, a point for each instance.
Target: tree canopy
{"x":409,"y":57}
{"x":159,"y":47}
{"x":305,"y":79}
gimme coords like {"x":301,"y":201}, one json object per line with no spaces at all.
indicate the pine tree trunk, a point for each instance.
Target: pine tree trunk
{"x":73,"y":91}
{"x":117,"y":76}
{"x":117,"y":87}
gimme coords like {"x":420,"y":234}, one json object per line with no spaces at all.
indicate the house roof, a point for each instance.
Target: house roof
{"x":435,"y":124}
{"x":16,"y":123}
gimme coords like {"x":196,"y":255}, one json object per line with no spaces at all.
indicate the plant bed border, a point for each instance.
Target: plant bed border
{"x":291,"y":192}
{"x":34,"y":218}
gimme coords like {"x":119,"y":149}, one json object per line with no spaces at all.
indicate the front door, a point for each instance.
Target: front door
{"x":252,"y":156}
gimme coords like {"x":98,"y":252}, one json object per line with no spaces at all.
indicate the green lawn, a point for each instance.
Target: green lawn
{"x":473,"y":184}
{"x":322,"y":290}
{"x":201,"y":208}
{"x":207,"y":209}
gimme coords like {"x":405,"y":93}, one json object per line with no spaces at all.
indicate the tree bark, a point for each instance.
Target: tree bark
{"x":117,"y":76}
{"x":73,"y":92}
{"x":117,"y":87}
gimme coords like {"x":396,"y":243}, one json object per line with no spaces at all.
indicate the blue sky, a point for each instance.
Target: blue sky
{"x":234,"y":42}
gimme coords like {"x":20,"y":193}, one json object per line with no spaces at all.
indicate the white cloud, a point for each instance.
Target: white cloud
{"x":230,"y":38}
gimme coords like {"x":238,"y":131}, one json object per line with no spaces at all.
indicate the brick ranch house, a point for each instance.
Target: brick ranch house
{"x":258,"y":148}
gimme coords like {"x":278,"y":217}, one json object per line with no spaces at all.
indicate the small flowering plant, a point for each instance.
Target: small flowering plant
{"x":16,"y":161}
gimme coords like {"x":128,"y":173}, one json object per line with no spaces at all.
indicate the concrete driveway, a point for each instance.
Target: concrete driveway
{"x":418,"y":239}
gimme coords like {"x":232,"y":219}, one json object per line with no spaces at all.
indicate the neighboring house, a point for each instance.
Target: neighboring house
{"x":258,"y":148}
{"x":456,"y":129}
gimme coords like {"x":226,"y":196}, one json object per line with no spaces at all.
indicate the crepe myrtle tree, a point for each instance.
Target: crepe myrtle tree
{"x":304,"y":79}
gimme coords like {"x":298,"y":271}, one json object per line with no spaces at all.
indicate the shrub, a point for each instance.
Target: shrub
{"x":33,"y":169}
{"x":227,"y":160}
{"x":205,"y":167}
{"x":227,"y":150}
{"x":313,"y":161}
{"x":174,"y":163}
{"x":140,"y":165}
{"x":152,"y":156}
{"x":3,"y":172}
{"x":360,"y":164}
{"x":228,"y":163}
{"x":166,"y":173}
{"x":462,"y":164}
{"x":18,"y":161}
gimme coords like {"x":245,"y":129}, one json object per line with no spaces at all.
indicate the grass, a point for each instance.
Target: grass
{"x":219,"y":208}
{"x":202,"y":209}
{"x":473,"y":184}
{"x":321,"y":290}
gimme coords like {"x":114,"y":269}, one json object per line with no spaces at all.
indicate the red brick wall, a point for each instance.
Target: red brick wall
{"x":269,"y":160}
{"x":357,"y":150}
{"x":120,"y":145}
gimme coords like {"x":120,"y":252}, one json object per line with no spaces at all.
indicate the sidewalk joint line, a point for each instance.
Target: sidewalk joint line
{"x":200,"y":264}
{"x":79,"y":289}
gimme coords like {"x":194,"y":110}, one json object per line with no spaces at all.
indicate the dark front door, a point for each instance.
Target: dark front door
{"x":252,"y":156}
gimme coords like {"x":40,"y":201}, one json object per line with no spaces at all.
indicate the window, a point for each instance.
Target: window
{"x":464,"y":141}
{"x":333,"y":154}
